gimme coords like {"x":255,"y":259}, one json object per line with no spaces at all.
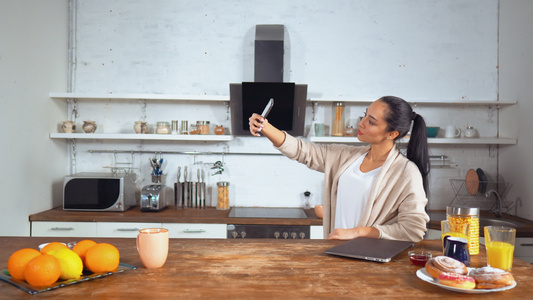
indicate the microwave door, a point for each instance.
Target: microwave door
{"x":91,"y":193}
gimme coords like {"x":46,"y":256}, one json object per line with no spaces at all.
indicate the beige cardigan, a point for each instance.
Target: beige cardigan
{"x":396,"y":203}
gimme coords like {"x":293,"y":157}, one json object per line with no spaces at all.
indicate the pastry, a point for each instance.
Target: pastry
{"x":440,"y":264}
{"x":491,"y":278}
{"x":457,"y":280}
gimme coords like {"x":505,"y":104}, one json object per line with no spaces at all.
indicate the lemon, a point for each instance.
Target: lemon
{"x":71,"y":264}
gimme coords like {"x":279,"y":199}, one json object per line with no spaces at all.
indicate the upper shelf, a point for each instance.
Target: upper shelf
{"x":169,"y":97}
{"x":225,"y":98}
{"x":425,"y":102}
{"x":134,"y":136}
{"x":434,"y":141}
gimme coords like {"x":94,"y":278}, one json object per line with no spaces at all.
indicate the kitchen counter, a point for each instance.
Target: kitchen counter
{"x":258,"y":268}
{"x":170,"y":215}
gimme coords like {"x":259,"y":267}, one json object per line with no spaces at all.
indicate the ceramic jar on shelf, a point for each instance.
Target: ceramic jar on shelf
{"x":470,"y":132}
{"x":68,"y":126}
{"x":140,"y":127}
{"x":89,"y":126}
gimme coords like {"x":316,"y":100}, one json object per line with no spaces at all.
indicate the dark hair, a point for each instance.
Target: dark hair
{"x":399,"y":118}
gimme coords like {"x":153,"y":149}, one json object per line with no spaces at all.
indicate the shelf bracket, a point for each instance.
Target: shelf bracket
{"x":73,"y":152}
{"x":314,"y":105}
{"x":227,"y":110}
{"x":493,"y":109}
{"x":142,"y":102}
{"x":73,"y":107}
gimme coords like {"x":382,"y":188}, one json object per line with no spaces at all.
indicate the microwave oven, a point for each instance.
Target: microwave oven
{"x":99,"y":192}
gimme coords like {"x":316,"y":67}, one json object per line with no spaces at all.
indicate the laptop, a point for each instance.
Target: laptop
{"x":371,"y":249}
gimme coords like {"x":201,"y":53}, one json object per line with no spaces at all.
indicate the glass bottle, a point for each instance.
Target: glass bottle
{"x":337,"y":128}
{"x":458,"y":216}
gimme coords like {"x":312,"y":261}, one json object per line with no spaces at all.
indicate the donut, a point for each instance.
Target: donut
{"x":491,"y":278}
{"x":439,"y":264}
{"x":457,"y":280}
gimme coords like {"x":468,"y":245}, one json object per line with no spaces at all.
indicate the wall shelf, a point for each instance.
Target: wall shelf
{"x":423,"y":102}
{"x":134,"y":136}
{"x":166,"y":97}
{"x":432,"y":141}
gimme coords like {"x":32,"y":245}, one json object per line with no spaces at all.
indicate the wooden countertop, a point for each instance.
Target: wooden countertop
{"x":170,"y":215}
{"x":261,"y":269}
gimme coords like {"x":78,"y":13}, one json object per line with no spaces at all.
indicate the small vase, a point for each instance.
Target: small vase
{"x":89,"y":126}
{"x":68,"y":126}
{"x":140,"y":127}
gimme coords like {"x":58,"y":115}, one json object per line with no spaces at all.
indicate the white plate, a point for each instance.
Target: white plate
{"x":424,"y":275}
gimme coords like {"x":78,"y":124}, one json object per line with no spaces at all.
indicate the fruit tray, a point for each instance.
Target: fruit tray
{"x":86,"y":276}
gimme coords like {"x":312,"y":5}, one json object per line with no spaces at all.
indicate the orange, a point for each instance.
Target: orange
{"x":18,"y":260}
{"x":102,"y":257}
{"x":53,"y":246}
{"x":82,"y":247}
{"x":43,"y":270}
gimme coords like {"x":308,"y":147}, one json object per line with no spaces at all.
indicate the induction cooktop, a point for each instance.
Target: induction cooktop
{"x":267,"y":212}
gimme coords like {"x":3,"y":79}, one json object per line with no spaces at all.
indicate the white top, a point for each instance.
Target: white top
{"x":352,"y":194}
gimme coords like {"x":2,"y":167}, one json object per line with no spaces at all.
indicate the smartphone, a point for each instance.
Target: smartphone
{"x":268,"y":107}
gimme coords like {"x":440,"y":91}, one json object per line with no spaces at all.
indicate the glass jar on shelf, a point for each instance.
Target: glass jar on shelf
{"x":203,"y":127}
{"x":162,"y":128}
{"x":349,"y":131}
{"x":219,"y":130}
{"x":193,"y":129}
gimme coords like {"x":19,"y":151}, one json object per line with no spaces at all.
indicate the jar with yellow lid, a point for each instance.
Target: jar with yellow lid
{"x":459,"y":217}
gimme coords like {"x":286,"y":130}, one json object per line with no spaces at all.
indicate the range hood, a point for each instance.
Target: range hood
{"x":246,"y":98}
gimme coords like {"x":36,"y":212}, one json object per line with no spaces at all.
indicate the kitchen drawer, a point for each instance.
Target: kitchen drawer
{"x":122,"y":229}
{"x":316,"y":232}
{"x":196,"y":230}
{"x":523,"y":247}
{"x":66,"y":229}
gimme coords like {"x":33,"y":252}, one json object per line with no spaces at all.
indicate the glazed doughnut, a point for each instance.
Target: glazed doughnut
{"x":457,"y":280}
{"x":440,"y":264}
{"x":491,"y":278}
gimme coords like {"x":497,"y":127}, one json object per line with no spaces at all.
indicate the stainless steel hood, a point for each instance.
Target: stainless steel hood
{"x":248,"y":97}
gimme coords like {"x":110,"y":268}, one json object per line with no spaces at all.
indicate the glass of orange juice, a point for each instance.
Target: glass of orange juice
{"x":451,"y":230}
{"x":500,"y":241}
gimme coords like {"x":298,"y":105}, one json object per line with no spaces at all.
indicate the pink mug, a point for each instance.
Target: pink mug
{"x":152,"y":245}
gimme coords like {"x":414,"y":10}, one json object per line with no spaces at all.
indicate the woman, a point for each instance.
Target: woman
{"x":373,"y":190}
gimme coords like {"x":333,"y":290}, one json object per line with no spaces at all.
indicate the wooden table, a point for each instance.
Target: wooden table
{"x":258,"y":268}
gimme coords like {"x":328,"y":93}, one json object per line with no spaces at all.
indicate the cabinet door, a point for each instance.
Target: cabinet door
{"x":524,"y":249}
{"x":316,"y":232}
{"x":63,"y":229}
{"x":196,"y":230}
{"x":122,"y":229}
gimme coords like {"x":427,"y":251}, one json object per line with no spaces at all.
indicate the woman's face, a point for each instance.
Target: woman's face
{"x":372,"y":128}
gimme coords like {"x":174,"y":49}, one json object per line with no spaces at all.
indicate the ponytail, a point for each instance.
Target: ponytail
{"x":417,"y":149}
{"x":399,"y":118}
